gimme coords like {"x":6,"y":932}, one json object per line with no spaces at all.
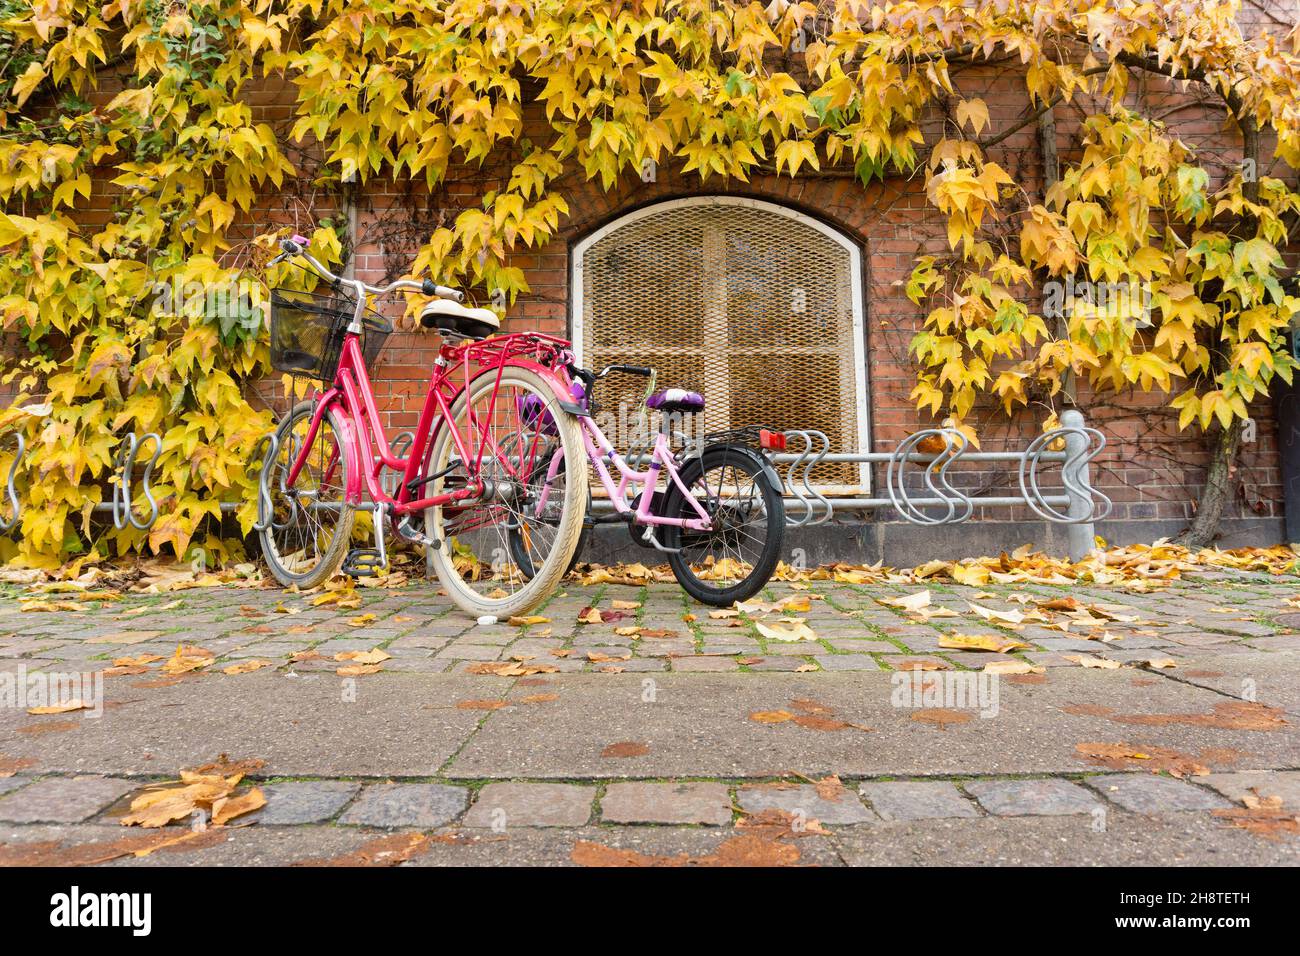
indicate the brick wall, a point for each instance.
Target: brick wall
{"x":1149,"y":469}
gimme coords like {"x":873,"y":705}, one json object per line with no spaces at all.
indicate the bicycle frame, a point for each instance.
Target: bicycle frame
{"x":368,"y":442}
{"x":661,"y":460}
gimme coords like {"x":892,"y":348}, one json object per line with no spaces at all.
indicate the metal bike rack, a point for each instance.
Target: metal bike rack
{"x":817,"y":508}
{"x":939,"y":503}
{"x":1078,"y":507}
{"x":121,"y":505}
{"x":11,"y":492}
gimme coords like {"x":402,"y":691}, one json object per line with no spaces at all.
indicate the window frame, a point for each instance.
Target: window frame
{"x":578,"y":250}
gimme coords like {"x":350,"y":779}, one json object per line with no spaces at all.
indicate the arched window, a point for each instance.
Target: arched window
{"x":757,"y":306}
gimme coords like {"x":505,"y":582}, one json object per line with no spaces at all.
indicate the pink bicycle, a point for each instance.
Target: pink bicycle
{"x":719,"y":519}
{"x":463,"y":488}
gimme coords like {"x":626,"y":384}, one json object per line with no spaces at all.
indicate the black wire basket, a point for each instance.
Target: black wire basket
{"x":307,"y":331}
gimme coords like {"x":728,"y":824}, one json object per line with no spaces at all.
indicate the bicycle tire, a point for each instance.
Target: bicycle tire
{"x":332,"y":558}
{"x":569,"y":529}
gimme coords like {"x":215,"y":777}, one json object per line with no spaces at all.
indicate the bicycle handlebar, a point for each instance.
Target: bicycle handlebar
{"x":627,"y":369}
{"x":297,"y":246}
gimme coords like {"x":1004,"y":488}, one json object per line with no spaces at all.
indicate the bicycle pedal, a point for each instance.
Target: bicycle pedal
{"x":363,"y":563}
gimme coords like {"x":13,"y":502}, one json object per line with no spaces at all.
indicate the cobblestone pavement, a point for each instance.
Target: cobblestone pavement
{"x":667,"y":736}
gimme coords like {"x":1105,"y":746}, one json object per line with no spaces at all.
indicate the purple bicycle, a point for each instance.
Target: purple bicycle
{"x":719,"y":517}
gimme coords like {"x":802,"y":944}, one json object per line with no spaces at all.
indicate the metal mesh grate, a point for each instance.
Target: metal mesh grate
{"x":751,"y":307}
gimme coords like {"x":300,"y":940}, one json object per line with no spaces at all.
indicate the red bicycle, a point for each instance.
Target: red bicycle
{"x":466,"y":470}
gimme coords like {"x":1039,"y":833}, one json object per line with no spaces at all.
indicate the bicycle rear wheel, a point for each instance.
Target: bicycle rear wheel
{"x":521,"y":534}
{"x":311,"y":521}
{"x":517,"y":423}
{"x":733,"y":561}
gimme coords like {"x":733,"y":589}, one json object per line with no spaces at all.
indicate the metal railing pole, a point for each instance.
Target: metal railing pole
{"x":1081,"y":535}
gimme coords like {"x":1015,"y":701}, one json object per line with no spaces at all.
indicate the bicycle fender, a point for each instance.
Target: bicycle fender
{"x":756,"y":457}
{"x":558,"y":386}
{"x":353,"y":492}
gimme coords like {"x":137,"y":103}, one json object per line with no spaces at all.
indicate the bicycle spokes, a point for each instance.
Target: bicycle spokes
{"x":728,"y":552}
{"x":500,"y":538}
{"x":308,"y":509}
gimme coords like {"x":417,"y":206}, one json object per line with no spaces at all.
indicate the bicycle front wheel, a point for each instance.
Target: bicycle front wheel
{"x":509,"y":427}
{"x":310,"y":523}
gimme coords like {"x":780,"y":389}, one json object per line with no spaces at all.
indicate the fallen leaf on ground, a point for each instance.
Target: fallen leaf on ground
{"x":227,"y":808}
{"x":138,"y":661}
{"x":990,"y":614}
{"x":747,"y":850}
{"x":383,"y":851}
{"x":187,"y":659}
{"x":247,"y":667}
{"x":372,"y":656}
{"x":626,"y":748}
{"x":11,"y":765}
{"x":1101,"y":663}
{"x":941,"y":717}
{"x":358,"y":670}
{"x":203,"y":792}
{"x":64,"y":708}
{"x":789,"y":630}
{"x":980,"y":642}
{"x":1271,"y":823}
{"x":912,"y":602}
{"x":1155,"y":662}
{"x":511,"y":668}
{"x":54,"y":853}
{"x":1011,"y":668}
{"x":1122,"y":756}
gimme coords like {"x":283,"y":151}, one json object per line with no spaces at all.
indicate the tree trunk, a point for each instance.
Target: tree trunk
{"x":1217,"y":491}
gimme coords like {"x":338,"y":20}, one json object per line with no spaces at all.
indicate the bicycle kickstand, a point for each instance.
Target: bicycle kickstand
{"x":368,"y":562}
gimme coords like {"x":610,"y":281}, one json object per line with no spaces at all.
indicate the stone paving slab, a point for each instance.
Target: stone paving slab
{"x":406,"y":805}
{"x":805,"y":801}
{"x":700,"y":725}
{"x":1022,"y":798}
{"x":917,"y":800}
{"x":61,"y":799}
{"x":399,"y":724}
{"x":1147,"y":793}
{"x":307,"y":801}
{"x":705,"y":803}
{"x":502,"y":806}
{"x":1235,"y":786}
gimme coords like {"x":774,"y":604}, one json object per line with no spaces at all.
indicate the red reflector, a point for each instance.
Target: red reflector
{"x":774,"y":441}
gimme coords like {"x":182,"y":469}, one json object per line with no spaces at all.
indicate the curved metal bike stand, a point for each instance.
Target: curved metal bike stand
{"x":11,"y":492}
{"x":958,"y":506}
{"x":265,"y":508}
{"x":122,"y":502}
{"x":817,"y":508}
{"x":399,"y":446}
{"x":1086,"y":503}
